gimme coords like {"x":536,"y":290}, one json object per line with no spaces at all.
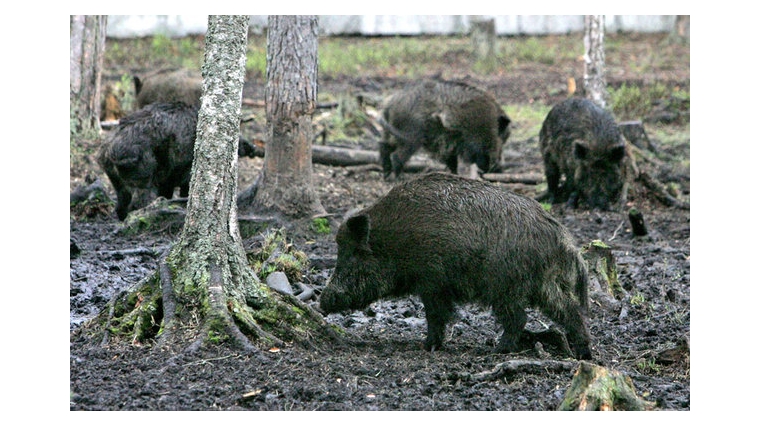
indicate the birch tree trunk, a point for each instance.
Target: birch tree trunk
{"x":87,"y":38}
{"x":204,"y":290}
{"x":285,"y":186}
{"x":593,"y":74}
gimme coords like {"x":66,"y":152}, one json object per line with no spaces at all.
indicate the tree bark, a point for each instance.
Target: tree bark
{"x":638,"y":226}
{"x":595,"y":388}
{"x":87,"y":43}
{"x":682,"y":30}
{"x":204,"y":290}
{"x":285,"y":186}
{"x":483,"y":37}
{"x":593,"y":74}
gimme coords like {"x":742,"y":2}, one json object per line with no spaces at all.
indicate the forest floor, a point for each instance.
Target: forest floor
{"x":383,"y":366}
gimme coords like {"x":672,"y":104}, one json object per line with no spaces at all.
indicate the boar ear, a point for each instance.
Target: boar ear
{"x":581,"y":151}
{"x":617,"y":153}
{"x":138,"y":85}
{"x":358,"y":226}
{"x":503,"y":126}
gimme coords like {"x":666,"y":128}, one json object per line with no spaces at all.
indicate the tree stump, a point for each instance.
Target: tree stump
{"x":638,"y":227}
{"x":595,"y":388}
{"x":483,"y":36}
{"x":604,"y":285}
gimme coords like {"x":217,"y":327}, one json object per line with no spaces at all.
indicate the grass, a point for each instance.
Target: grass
{"x":402,"y":56}
{"x":415,"y":57}
{"x":409,"y":56}
{"x":544,"y":50}
{"x":160,"y":51}
{"x":526,"y":120}
{"x":633,"y":102}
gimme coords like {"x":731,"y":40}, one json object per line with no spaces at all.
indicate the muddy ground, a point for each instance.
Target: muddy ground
{"x":383,"y":366}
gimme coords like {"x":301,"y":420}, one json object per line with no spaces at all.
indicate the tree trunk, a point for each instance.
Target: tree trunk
{"x":208,"y":262}
{"x":483,"y":37}
{"x":593,"y":73}
{"x":88,"y":39}
{"x":204,"y":290}
{"x":682,"y":30}
{"x":285,"y":187}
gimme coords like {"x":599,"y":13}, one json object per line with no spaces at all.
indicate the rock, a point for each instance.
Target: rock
{"x":279,"y":282}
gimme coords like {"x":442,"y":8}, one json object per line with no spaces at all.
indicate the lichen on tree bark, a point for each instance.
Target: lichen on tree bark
{"x":204,"y":290}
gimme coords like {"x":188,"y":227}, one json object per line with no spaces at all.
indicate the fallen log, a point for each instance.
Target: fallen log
{"x":339,"y":156}
{"x":507,"y":178}
{"x":346,"y":157}
{"x":260,"y":103}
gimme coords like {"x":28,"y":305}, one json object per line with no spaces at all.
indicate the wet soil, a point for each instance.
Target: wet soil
{"x":382,"y":365}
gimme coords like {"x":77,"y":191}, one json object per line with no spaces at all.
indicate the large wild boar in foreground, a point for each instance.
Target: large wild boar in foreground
{"x":458,"y":124}
{"x":450,"y":239}
{"x":581,"y":141}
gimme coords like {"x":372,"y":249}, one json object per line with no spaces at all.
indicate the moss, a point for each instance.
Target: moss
{"x":250,"y":227}
{"x":216,"y":330}
{"x":338,"y":329}
{"x":138,"y":314}
{"x":159,"y":215}
{"x":598,"y":244}
{"x":321,"y":225}
{"x":276,"y":254}
{"x":601,"y":261}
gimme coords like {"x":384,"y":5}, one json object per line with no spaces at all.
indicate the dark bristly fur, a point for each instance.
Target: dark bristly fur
{"x":150,"y":153}
{"x":151,"y":149}
{"x":169,"y":86}
{"x":456,"y":123}
{"x":581,"y":141}
{"x":452,"y":240}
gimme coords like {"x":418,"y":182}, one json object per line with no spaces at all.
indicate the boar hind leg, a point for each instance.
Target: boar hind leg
{"x":512,"y":319}
{"x":438,"y":312}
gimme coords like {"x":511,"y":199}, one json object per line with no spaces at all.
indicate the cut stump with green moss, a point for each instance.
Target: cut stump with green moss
{"x":595,"y":388}
{"x":604,"y":285}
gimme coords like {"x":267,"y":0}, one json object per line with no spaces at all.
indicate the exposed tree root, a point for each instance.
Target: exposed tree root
{"x":552,"y":337}
{"x":642,"y":163}
{"x":658,"y":190}
{"x":140,"y":250}
{"x":148,"y":311}
{"x":514,"y":367}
